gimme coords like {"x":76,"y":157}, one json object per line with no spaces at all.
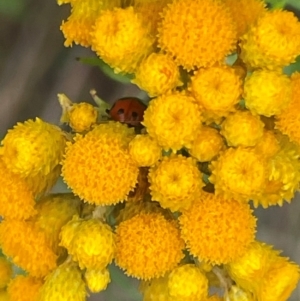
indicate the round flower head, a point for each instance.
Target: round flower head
{"x":217,"y":89}
{"x":267,"y":92}
{"x":288,"y":121}
{"x":23,"y":288}
{"x":217,"y":230}
{"x":64,"y":283}
{"x":239,"y":173}
{"x":155,"y":289}
{"x":268,"y":145}
{"x":54,"y":211}
{"x":245,"y":13}
{"x":26,"y":151}
{"x":6,"y":272}
{"x":187,"y":283}
{"x":157,"y":74}
{"x":97,"y":280}
{"x":98,"y":168}
{"x":175,"y":182}
{"x":144,"y":150}
{"x":92,"y":244}
{"x":27,"y":246}
{"x":148,"y":246}
{"x":273,"y":41}
{"x":172,"y":120}
{"x":196,"y":33}
{"x":207,"y":144}
{"x":82,"y":116}
{"x":121,"y":39}
{"x":17,"y":200}
{"x":242,"y":129}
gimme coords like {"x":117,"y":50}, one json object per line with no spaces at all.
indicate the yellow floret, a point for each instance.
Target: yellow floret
{"x":121,"y":39}
{"x":16,"y":201}
{"x":64,"y":283}
{"x":245,"y":13}
{"x":97,"y":280}
{"x":98,"y":167}
{"x":267,"y":92}
{"x":172,"y":120}
{"x":148,"y":246}
{"x":27,"y":246}
{"x":268,"y":145}
{"x":157,"y":74}
{"x":197,"y":33}
{"x":273,"y":41}
{"x":92,"y":244}
{"x":187,"y":283}
{"x":34,"y":150}
{"x":239,"y":173}
{"x":207,"y":144}
{"x":288,"y":122}
{"x":175,"y":182}
{"x":6,"y":272}
{"x":242,"y":129}
{"x":54,"y":211}
{"x":216,"y":230}
{"x":24,"y":288}
{"x":144,"y":150}
{"x":217,"y":89}
{"x":82,"y":116}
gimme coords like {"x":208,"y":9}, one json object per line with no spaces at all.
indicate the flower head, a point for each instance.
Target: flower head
{"x":98,"y":167}
{"x":175,"y":182}
{"x":210,"y":36}
{"x":121,"y":39}
{"x":148,"y":246}
{"x":217,"y":230}
{"x":273,"y":41}
{"x":97,"y":280}
{"x":172,"y":120}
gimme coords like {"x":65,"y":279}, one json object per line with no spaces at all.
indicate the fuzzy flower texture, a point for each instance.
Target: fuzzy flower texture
{"x":168,"y":199}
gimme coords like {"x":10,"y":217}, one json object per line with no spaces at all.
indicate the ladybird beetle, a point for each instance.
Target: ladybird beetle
{"x":129,"y":110}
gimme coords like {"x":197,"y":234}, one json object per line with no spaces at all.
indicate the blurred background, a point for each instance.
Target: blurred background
{"x":35,"y":67}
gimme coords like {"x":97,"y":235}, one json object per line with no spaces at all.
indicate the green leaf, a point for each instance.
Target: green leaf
{"x":106,"y":69}
{"x":277,"y":3}
{"x":294,"y":3}
{"x":12,"y":8}
{"x":292,"y":67}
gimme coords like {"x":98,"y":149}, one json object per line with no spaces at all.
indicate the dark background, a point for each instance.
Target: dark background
{"x":35,"y":67}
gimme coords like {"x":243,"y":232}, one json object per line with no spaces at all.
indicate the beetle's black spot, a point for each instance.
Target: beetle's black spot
{"x":135,"y":115}
{"x":120,"y":111}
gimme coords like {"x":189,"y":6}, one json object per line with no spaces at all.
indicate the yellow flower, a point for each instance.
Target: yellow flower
{"x":245,"y":13}
{"x":97,"y":280}
{"x":207,"y":144}
{"x":197,"y":33}
{"x":239,"y":173}
{"x":272,"y":42}
{"x":144,"y":150}
{"x":288,"y":121}
{"x":98,"y":168}
{"x":175,"y":183}
{"x":157,"y":74}
{"x":92,"y":244}
{"x":6,"y":272}
{"x":26,"y":151}
{"x":24,"y":288}
{"x":187,"y":283}
{"x":217,"y":89}
{"x":242,"y":129}
{"x":216,"y":230}
{"x":27,"y":246}
{"x":267,"y":92}
{"x":148,"y":245}
{"x":82,"y":116}
{"x":79,"y":26}
{"x":121,"y":39}
{"x":268,"y":145}
{"x":54,"y":211}
{"x":64,"y":283}
{"x":172,"y":120}
{"x":16,"y":201}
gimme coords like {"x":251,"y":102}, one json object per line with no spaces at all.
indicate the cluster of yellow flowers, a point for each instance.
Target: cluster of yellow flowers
{"x":170,"y":205}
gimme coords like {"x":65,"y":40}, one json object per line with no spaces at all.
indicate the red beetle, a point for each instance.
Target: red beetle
{"x":129,"y":110}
